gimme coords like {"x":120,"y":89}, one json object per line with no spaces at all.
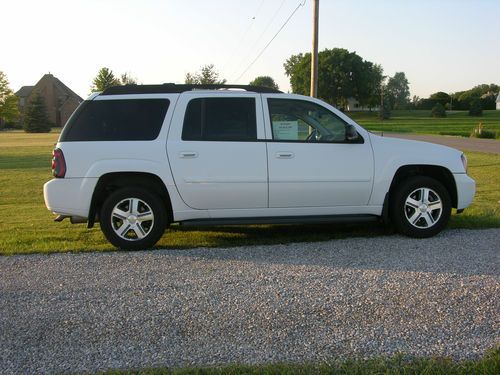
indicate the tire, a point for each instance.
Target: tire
{"x":141,"y":212}
{"x":420,"y":207}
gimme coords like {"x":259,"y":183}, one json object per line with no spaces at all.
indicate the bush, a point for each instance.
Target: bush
{"x":480,"y":132}
{"x":438,"y":110}
{"x":12,"y":125}
{"x":490,"y":134}
{"x":456,"y":134}
{"x":476,"y":109}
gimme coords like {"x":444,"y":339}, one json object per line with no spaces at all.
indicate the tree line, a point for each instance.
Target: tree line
{"x":483,"y":95}
{"x":342,"y":75}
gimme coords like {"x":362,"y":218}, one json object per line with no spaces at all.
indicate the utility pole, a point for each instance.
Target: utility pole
{"x":314,"y":54}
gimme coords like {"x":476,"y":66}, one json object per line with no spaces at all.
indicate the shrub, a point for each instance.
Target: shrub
{"x":476,"y":109}
{"x":5,"y":125}
{"x":480,"y":132}
{"x":490,"y":134}
{"x":438,"y":110}
{"x":456,"y":133}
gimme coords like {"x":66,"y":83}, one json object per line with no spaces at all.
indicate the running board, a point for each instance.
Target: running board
{"x":281,"y":220}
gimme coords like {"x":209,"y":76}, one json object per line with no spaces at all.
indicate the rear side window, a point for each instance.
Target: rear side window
{"x":116,"y":120}
{"x":220,"y":119}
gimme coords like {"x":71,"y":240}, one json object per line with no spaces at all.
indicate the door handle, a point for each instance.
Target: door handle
{"x":188,"y":154}
{"x":285,"y":155}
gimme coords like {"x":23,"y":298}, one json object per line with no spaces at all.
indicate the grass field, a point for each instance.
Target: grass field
{"x":456,"y":123}
{"x":488,"y":365}
{"x":27,"y":227}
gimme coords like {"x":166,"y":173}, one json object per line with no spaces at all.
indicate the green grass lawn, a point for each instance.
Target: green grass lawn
{"x":456,"y":123}
{"x":488,"y":365}
{"x":28,"y":227}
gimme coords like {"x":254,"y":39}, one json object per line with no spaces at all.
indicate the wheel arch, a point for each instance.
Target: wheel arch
{"x":110,"y":182}
{"x":439,"y":173}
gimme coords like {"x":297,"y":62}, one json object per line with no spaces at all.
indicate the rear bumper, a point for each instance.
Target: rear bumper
{"x":466,"y":188}
{"x":69,"y":196}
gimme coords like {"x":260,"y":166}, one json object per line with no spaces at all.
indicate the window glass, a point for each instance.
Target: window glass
{"x":116,"y":120}
{"x":220,"y":119}
{"x":299,"y":120}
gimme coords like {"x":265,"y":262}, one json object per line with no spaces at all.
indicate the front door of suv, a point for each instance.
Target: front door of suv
{"x":217,"y":151}
{"x":310,"y":162}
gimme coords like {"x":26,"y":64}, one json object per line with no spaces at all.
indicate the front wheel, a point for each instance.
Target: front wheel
{"x":420,"y":207}
{"x":133,"y":218}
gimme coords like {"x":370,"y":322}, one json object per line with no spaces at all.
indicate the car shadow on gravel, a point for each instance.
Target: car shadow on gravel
{"x":463,"y":252}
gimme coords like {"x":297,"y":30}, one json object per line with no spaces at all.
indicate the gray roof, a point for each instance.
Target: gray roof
{"x":24,"y":91}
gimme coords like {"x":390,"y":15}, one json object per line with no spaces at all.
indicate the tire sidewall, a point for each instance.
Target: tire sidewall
{"x":397,"y":206}
{"x":156,"y":205}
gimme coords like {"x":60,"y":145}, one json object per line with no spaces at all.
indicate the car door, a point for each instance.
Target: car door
{"x":217,"y":151}
{"x":310,"y":162}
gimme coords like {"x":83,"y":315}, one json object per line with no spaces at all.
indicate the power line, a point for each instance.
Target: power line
{"x":250,"y":25}
{"x":258,"y":39}
{"x":275,"y":35}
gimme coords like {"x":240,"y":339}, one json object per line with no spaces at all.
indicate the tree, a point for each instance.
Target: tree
{"x":398,"y":91}
{"x":475,"y":108}
{"x":36,"y":119}
{"x":441,"y":98}
{"x":415,"y":101}
{"x":127,"y":79}
{"x":438,"y":110}
{"x":265,"y":81}
{"x":104,"y":79}
{"x":485,"y":93}
{"x":207,"y":76}
{"x":8,"y":102}
{"x":9,"y":111}
{"x":341,"y":75}
{"x":4,"y":87}
{"x":384,"y":112}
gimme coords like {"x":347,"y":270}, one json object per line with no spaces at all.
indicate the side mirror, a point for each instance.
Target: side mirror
{"x":351,"y":135}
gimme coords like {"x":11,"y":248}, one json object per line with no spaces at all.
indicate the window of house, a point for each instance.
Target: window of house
{"x":220,"y":119}
{"x":300,"y":120}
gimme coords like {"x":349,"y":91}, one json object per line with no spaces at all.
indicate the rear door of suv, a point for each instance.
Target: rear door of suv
{"x":217,"y":151}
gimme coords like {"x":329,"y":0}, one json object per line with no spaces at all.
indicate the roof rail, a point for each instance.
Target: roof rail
{"x":168,"y":88}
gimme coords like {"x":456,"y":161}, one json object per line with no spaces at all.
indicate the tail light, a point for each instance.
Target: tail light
{"x":58,"y":163}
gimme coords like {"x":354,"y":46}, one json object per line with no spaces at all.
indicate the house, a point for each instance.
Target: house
{"x":60,"y":100}
{"x":498,"y":102}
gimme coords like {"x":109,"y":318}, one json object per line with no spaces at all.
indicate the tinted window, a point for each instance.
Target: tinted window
{"x":220,"y":119}
{"x":116,"y":120}
{"x":300,"y":120}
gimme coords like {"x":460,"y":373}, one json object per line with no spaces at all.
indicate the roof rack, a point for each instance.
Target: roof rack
{"x":171,"y":88}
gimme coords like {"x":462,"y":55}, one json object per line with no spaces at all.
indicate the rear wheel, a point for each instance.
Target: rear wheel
{"x":420,"y":207}
{"x":133,"y":218}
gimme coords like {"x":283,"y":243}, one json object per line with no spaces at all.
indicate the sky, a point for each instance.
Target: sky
{"x":441,"y":45}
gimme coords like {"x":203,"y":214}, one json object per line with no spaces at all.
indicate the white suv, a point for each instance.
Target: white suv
{"x":137,"y":158}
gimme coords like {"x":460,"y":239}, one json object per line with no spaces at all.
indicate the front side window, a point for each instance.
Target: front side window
{"x":300,"y":120}
{"x":220,"y":119}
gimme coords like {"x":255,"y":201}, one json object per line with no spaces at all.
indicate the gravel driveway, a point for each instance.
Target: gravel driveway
{"x":300,"y":302}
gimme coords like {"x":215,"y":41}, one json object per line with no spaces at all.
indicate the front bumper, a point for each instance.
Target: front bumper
{"x":466,"y":188}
